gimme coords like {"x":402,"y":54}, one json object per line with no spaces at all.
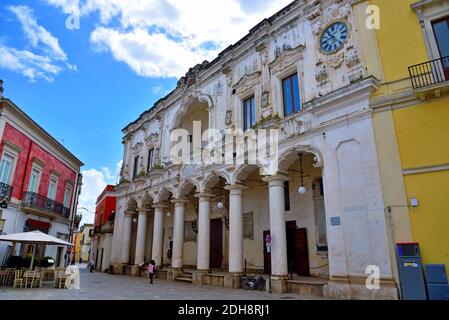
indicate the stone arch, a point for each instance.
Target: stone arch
{"x":291,"y":154}
{"x":164,"y":194}
{"x":147,"y":201}
{"x":213,"y":178}
{"x":131,"y":205}
{"x":244,"y":171}
{"x":187,"y":103}
{"x":187,"y":186}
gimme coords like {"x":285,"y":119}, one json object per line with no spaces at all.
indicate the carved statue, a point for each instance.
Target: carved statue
{"x":265,"y":99}
{"x":228,"y":117}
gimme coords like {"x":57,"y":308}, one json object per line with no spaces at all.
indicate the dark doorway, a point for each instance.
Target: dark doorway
{"x":266,"y":255}
{"x":101,"y":260}
{"x":58,"y":256}
{"x":301,"y":252}
{"x":216,"y":243}
{"x":297,"y":250}
{"x":291,"y":248}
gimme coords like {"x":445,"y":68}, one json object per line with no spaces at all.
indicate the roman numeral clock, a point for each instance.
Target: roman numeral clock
{"x":334,"y":37}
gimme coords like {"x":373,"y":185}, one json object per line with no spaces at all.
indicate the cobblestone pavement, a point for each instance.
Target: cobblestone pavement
{"x":101,"y":286}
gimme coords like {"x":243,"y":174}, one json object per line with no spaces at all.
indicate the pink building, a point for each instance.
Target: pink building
{"x":39,"y":180}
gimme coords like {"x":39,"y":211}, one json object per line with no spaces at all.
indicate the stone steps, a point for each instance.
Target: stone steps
{"x":185,"y":277}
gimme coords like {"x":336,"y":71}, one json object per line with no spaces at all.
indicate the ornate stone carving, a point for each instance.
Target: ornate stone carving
{"x":286,"y":59}
{"x":265,"y":99}
{"x":218,"y":89}
{"x":137,"y":147}
{"x":336,"y":60}
{"x":228,"y":118}
{"x":320,"y":71}
{"x":291,"y":127}
{"x":344,"y":11}
{"x":247,"y":83}
{"x":152,"y":139}
{"x":192,"y":75}
{"x":352,"y":56}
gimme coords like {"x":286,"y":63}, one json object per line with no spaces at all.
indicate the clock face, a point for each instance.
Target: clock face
{"x":334,"y":37}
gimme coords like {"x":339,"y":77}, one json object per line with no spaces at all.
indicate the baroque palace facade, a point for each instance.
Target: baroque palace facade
{"x":309,"y":73}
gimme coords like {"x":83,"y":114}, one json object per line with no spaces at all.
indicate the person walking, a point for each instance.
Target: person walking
{"x":91,"y":264}
{"x":151,"y":270}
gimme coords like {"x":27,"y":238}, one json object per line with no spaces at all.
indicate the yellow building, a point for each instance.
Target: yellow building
{"x":412,"y":121}
{"x":77,"y":245}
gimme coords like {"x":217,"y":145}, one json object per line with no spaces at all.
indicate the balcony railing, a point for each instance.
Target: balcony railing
{"x":5,"y":191}
{"x":41,"y":203}
{"x":429,"y":73}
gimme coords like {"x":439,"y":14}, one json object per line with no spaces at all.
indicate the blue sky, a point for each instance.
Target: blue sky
{"x":84,"y":85}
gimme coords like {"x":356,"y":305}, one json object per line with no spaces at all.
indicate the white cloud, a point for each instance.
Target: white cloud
{"x":48,"y":60}
{"x":147,"y":54}
{"x":94,"y":182}
{"x":163,"y":38}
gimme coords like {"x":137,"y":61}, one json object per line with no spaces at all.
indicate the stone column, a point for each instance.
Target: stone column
{"x":126,"y":239}
{"x":141,"y":235}
{"x":203,"y":232}
{"x":279,"y":269}
{"x":203,"y":243}
{"x":178,"y":233}
{"x":158,"y":233}
{"x":235,"y":236}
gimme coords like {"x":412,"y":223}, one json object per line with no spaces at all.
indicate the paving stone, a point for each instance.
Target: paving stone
{"x":102,"y":286}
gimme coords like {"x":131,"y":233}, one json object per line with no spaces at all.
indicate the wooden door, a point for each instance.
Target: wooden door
{"x":216,"y":243}
{"x":266,"y":255}
{"x":302,"y":252}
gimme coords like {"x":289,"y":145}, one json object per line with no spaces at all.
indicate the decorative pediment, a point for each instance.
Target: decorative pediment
{"x":152,"y":139}
{"x":247,"y":84}
{"x":137,"y":147}
{"x":286,"y":59}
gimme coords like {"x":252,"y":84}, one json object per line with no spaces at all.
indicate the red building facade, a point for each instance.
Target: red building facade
{"x":39,"y":180}
{"x":106,"y":204}
{"x":103,"y":229}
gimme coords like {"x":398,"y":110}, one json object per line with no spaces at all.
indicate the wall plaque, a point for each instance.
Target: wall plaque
{"x":248,"y":226}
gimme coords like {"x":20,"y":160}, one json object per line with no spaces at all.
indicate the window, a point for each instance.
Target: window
{"x":52,"y":187}
{"x":67,"y":194}
{"x":6,"y":168}
{"x":441,"y":31}
{"x":136,"y":164}
{"x":249,"y":113}
{"x":292,"y":99}
{"x":34,"y":180}
{"x":150,"y":159}
{"x":287,"y":196}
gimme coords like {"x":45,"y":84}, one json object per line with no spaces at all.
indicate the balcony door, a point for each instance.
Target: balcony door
{"x":5,"y":168}
{"x":441,"y":31}
{"x":34,"y":180}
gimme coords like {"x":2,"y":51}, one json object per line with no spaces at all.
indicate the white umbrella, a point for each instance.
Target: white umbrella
{"x":34,"y":237}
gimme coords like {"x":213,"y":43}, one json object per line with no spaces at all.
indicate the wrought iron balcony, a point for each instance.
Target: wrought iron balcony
{"x":430,"y":73}
{"x":5,"y":191}
{"x":41,"y":203}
